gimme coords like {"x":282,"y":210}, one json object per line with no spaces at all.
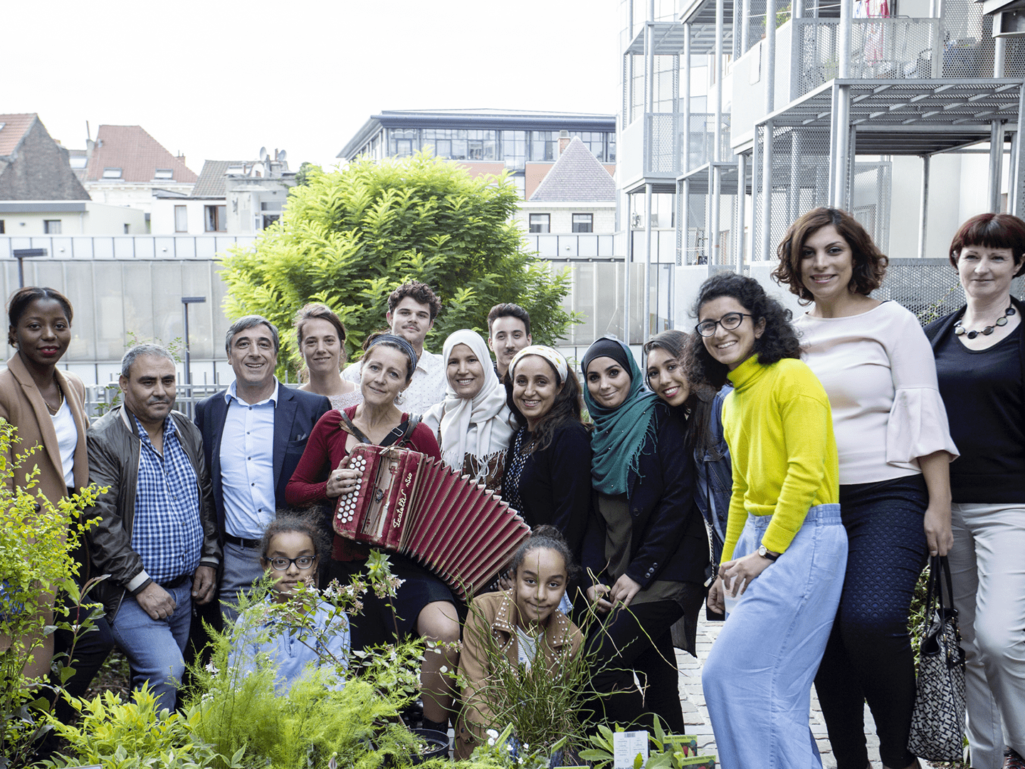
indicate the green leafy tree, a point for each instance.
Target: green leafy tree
{"x":350,"y":236}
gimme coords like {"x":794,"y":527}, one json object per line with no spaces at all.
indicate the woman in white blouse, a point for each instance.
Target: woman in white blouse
{"x":894,"y":448}
{"x":473,"y":424}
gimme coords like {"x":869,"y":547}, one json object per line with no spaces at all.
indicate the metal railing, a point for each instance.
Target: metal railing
{"x":896,"y":48}
{"x":125,"y":246}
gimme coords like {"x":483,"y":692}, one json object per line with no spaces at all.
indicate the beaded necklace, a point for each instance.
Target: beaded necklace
{"x":960,"y":330}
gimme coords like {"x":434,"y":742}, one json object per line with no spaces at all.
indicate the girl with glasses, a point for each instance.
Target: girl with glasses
{"x":894,"y":451}
{"x":785,"y":547}
{"x":290,"y":551}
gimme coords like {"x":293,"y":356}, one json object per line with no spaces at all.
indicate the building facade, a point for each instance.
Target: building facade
{"x":526,"y":144}
{"x":906,"y":114}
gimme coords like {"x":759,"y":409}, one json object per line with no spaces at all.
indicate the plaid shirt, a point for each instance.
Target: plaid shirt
{"x":167,"y":533}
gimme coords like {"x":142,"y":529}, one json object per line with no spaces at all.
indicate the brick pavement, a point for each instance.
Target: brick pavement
{"x":695,"y":714}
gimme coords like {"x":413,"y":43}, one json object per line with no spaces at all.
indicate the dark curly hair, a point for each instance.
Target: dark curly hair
{"x":778,"y":341}
{"x":698,"y":407}
{"x":869,"y":262}
{"x":568,"y":407}
{"x":308,"y":523}
{"x":419,"y":292}
{"x":550,"y":538}
{"x":991,"y":231}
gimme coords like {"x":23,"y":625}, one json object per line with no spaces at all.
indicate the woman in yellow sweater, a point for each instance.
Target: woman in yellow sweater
{"x":783,"y":560}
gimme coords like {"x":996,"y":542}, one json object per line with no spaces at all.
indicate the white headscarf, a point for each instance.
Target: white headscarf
{"x":481,"y":426}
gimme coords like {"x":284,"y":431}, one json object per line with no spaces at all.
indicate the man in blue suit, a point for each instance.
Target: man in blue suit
{"x":254,"y":434}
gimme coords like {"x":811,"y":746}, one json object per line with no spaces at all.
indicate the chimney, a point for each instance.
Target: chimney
{"x":563,"y":141}
{"x":180,"y":157}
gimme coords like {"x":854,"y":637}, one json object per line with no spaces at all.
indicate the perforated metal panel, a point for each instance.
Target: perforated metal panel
{"x":927,"y":287}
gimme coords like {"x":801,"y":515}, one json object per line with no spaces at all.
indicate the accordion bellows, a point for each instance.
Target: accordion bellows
{"x":423,"y":509}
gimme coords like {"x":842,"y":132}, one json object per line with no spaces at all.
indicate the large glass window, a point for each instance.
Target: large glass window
{"x":543,"y":145}
{"x":52,"y":226}
{"x":403,"y":141}
{"x":216,"y":218}
{"x":540,"y":223}
{"x":594,"y":141}
{"x":583,"y":222}
{"x":514,"y":148}
{"x":181,"y":219}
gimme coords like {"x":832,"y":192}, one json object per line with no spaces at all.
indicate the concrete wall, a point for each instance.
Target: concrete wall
{"x":162,"y":218}
{"x":561,"y":216}
{"x":96,"y":219}
{"x":135,"y":195}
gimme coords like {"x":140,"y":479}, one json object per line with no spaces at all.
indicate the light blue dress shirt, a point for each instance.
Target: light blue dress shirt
{"x":247,"y":465}
{"x":291,"y":651}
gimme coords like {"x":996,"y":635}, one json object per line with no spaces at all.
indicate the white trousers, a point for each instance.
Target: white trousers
{"x":987,"y":565}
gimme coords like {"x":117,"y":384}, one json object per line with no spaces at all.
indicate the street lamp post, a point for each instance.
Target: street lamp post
{"x":186,"y":301}
{"x":21,"y":254}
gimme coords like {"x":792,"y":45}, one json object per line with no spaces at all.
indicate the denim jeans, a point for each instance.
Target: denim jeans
{"x":757,"y":680}
{"x":242,"y":570}
{"x":154,"y":646}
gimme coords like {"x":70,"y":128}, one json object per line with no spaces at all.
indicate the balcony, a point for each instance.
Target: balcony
{"x":653,"y":147}
{"x":807,"y":55}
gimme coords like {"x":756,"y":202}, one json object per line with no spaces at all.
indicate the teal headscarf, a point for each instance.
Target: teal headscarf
{"x":620,"y":433}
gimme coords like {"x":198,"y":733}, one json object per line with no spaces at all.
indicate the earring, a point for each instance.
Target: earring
{"x":400,"y":398}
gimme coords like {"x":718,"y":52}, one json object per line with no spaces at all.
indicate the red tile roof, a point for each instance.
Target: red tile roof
{"x":14,"y":127}
{"x":136,"y":153}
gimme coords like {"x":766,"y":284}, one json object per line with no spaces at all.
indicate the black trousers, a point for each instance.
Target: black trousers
{"x":637,"y":641}
{"x":868,"y":656}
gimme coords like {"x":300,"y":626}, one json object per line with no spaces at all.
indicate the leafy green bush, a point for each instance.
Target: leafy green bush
{"x":349,"y":237}
{"x":36,"y":542}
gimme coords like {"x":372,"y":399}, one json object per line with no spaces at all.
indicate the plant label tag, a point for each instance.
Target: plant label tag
{"x":627,"y":747}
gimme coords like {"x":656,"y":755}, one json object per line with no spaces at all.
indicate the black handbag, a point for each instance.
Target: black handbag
{"x":938,"y":720}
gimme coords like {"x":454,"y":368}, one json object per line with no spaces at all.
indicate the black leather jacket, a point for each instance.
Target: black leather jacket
{"x":114,"y":452}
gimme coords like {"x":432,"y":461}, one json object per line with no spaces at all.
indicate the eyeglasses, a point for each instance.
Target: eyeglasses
{"x":729,"y":321}
{"x":303,"y":562}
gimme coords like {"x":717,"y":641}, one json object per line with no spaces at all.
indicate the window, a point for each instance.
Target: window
{"x":403,"y":141}
{"x":163,"y":173}
{"x":126,"y":228}
{"x":583,"y":222}
{"x":539,"y":223}
{"x":52,"y":226}
{"x":236,"y":170}
{"x":1,"y":220}
{"x":514,"y":148}
{"x":543,"y":145}
{"x":111,"y":173}
{"x":216,"y":218}
{"x":269,"y":219}
{"x":181,"y":219}
{"x":78,"y":161}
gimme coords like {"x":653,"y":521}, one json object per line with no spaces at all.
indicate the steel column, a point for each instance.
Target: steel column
{"x":764,"y":231}
{"x":741,"y":201}
{"x":923,"y":221}
{"x":684,"y":223}
{"x":770,"y":55}
{"x":685,"y":165}
{"x":627,"y":263}
{"x":719,"y":32}
{"x":996,"y":163}
{"x":646,"y":301}
{"x":794,"y":202}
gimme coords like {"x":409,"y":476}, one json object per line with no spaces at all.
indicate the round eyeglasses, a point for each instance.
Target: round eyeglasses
{"x":303,"y":562}
{"x":729,"y":321}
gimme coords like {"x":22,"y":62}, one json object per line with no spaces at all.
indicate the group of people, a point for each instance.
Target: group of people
{"x":792,"y":476}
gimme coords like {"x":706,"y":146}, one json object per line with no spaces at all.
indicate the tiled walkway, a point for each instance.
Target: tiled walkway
{"x":695,"y":715}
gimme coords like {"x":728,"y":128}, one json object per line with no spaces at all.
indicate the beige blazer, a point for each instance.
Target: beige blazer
{"x":22,"y":405}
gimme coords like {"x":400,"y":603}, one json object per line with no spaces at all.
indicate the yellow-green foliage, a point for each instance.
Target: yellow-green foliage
{"x":118,"y":734}
{"x":350,"y":236}
{"x":35,"y":565}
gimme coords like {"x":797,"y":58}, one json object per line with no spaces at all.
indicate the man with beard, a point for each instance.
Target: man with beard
{"x":412,"y":310}
{"x":508,"y":333}
{"x":157,"y":532}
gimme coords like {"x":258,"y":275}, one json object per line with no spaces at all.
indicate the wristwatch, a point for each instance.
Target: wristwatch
{"x":764,"y":552}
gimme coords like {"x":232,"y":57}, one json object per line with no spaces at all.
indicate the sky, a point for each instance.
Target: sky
{"x":219,"y":79}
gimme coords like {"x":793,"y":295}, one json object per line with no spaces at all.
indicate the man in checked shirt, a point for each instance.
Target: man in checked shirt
{"x":157,"y":532}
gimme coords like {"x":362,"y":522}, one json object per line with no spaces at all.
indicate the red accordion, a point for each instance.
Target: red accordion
{"x":421,"y":508}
